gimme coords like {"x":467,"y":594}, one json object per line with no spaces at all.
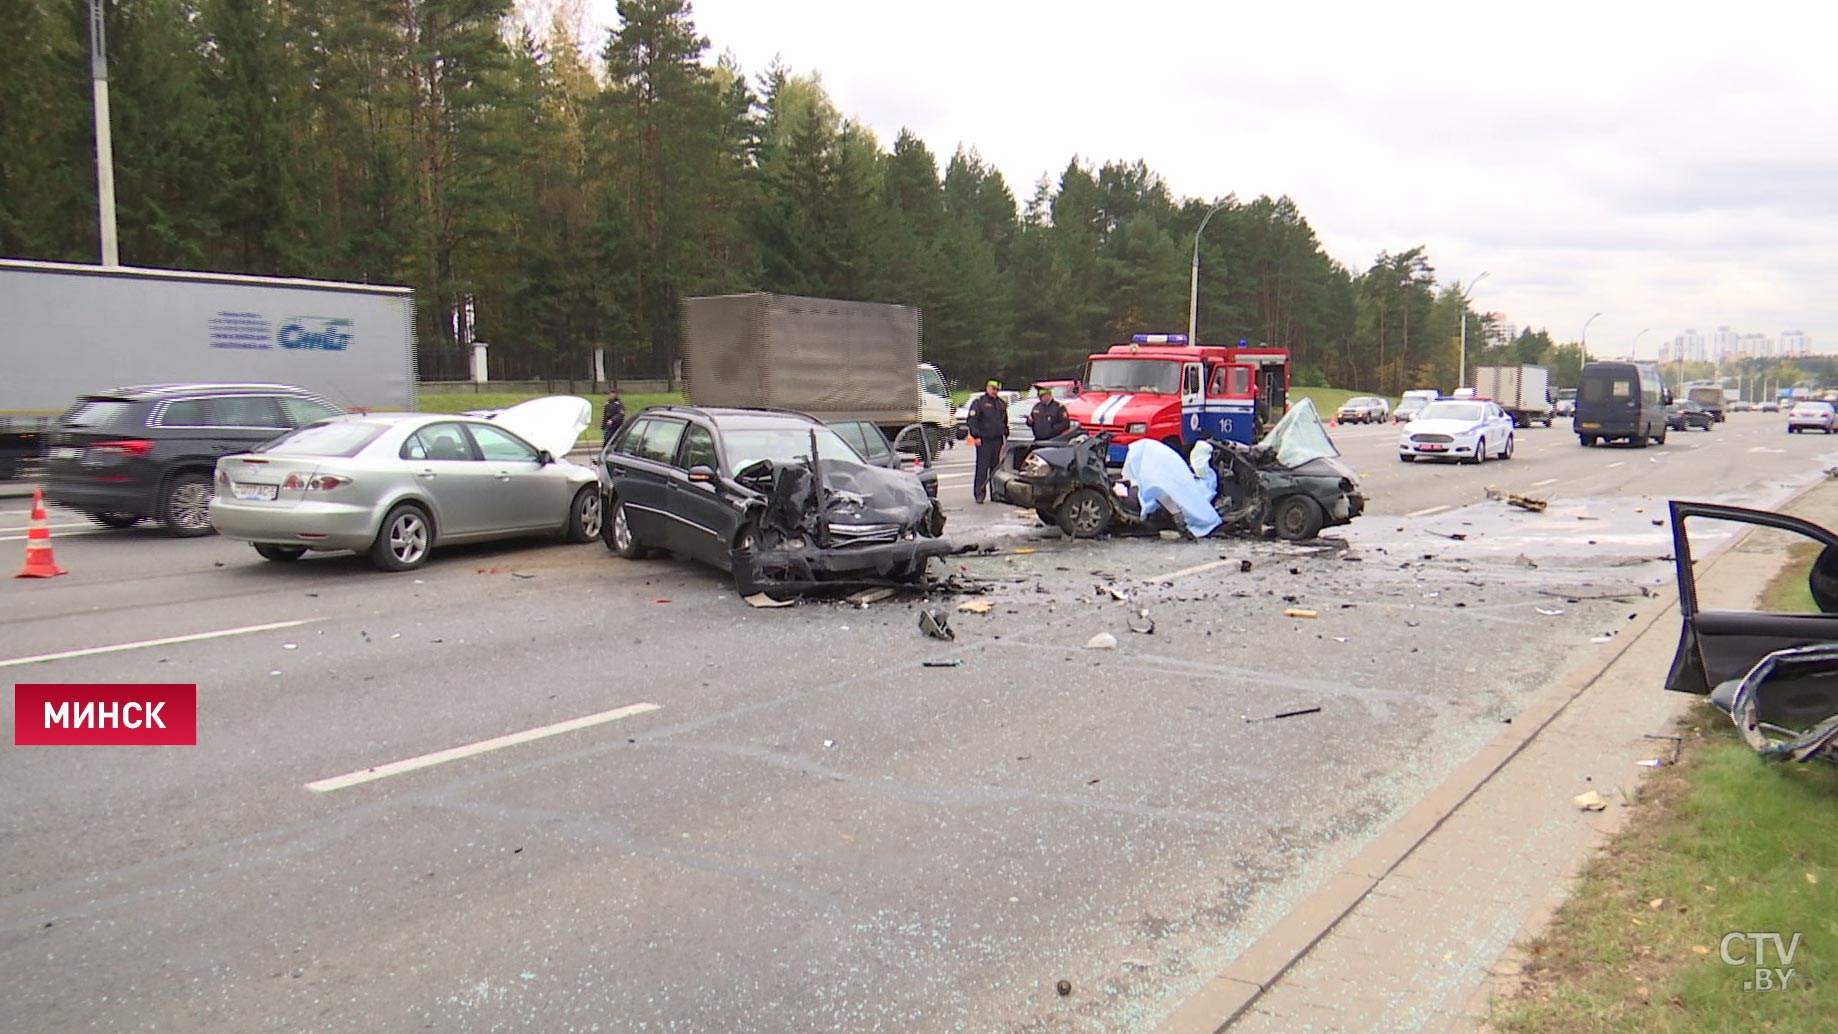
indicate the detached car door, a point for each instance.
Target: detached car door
{"x":1798,"y":606}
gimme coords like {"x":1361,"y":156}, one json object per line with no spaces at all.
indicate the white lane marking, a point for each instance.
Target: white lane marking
{"x":1195,"y":569}
{"x":441,"y":757}
{"x":1426,"y":512}
{"x":1615,"y":464}
{"x":61,"y":535}
{"x":1546,"y":481}
{"x":167,"y":641}
{"x":53,"y":527}
{"x":962,"y":474}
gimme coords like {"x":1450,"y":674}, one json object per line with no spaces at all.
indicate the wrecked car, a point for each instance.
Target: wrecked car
{"x":1773,"y":669}
{"x":776,"y":498}
{"x":1292,"y":483}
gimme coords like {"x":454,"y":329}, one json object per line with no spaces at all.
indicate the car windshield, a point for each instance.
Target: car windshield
{"x":1150,"y":376}
{"x":1299,"y":436}
{"x":1468,"y":411}
{"x":336,"y":438}
{"x":1361,"y":402}
{"x":1413,"y":404}
{"x":785,"y":445}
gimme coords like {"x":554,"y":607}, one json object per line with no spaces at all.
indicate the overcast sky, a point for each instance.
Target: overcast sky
{"x":1668,"y":165}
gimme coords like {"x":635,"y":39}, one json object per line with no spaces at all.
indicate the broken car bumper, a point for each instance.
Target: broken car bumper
{"x":812,"y":565}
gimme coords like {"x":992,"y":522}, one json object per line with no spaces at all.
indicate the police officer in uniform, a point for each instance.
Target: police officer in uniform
{"x":988,"y":424}
{"x":1048,"y":419}
{"x":613,"y":416}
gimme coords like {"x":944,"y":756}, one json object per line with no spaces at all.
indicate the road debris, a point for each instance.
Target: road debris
{"x":1244,"y":566}
{"x":1280,"y":714}
{"x":933,"y":621}
{"x":1590,"y":801}
{"x":1550,"y":612}
{"x":944,"y":662}
{"x":1526,"y":561}
{"x":1101,"y":641}
{"x":760,"y":599}
{"x":1142,"y":622}
{"x":867,"y":596}
{"x":1299,"y":612}
{"x":1120,"y":595}
{"x":1064,"y":988}
{"x":976,"y":606}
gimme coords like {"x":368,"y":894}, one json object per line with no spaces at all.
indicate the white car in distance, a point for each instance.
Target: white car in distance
{"x":1467,"y":430}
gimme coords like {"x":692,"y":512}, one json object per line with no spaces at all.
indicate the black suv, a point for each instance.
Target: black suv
{"x":124,"y":455}
{"x":738,"y":489}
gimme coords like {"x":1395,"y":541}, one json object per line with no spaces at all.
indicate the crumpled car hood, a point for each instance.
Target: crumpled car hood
{"x":857,"y":494}
{"x":553,"y":422}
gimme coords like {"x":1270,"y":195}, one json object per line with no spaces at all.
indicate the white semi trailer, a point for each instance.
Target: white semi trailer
{"x":70,"y":329}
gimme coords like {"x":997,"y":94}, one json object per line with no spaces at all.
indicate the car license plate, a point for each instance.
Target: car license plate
{"x":66,"y":452}
{"x":255,"y":491}
{"x":1433,"y":448}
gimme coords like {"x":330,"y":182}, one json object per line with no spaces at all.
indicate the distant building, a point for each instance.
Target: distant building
{"x":1723,"y":342}
{"x":1758,"y":346}
{"x":1500,"y":330}
{"x":1691,"y":346}
{"x":1795,"y":342}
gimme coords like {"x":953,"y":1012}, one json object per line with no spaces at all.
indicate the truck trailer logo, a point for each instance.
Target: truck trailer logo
{"x":241,"y":330}
{"x":317,"y":333}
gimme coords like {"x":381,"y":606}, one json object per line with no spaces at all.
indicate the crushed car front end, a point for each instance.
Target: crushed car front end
{"x":841,"y":524}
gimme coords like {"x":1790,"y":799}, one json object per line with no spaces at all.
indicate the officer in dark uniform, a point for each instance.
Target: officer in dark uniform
{"x":988,"y":424}
{"x":1048,"y":419}
{"x":613,"y":416}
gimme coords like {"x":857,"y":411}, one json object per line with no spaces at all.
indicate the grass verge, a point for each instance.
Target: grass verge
{"x":1719,"y":844}
{"x":1788,"y":591}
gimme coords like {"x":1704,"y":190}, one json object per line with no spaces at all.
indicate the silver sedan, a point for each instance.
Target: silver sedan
{"x":394,"y":485}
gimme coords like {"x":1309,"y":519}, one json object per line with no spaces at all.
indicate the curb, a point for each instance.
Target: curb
{"x":1228,"y":995}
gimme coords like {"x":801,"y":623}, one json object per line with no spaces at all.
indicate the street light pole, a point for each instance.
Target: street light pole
{"x":105,"y":151}
{"x":1193,"y":289}
{"x":1585,"y":340}
{"x":1461,"y":363}
{"x":1634,"y":349}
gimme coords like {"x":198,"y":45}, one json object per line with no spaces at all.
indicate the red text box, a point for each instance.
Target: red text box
{"x":105,"y":714}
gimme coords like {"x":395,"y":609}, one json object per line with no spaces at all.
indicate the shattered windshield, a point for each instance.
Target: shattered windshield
{"x":1299,"y":436}
{"x":1151,"y":376}
{"x":785,"y":445}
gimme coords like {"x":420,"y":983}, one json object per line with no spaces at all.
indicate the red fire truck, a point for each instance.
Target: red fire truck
{"x":1159,"y":386}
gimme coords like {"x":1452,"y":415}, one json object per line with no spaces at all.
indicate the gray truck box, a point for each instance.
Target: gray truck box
{"x":70,"y":329}
{"x":836,"y":360}
{"x":1522,"y":390}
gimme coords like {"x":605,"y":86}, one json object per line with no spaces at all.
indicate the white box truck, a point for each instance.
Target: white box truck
{"x":835,"y":360}
{"x":70,"y":329}
{"x":1522,"y":390}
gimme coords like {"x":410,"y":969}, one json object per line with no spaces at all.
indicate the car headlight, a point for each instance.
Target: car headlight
{"x":1035,"y":467}
{"x":1137,"y":429}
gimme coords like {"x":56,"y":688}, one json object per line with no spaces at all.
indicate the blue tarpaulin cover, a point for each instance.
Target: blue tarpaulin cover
{"x":1162,"y":478}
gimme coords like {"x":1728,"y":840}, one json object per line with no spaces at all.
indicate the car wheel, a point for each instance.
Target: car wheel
{"x":1480,"y":452}
{"x":114,"y":520}
{"x":1507,"y":453}
{"x":1084,"y":514}
{"x":618,"y":535}
{"x":271,"y":551}
{"x":1047,"y":517}
{"x":185,"y":506}
{"x":584,"y":515}
{"x":402,"y":543}
{"x":1661,"y":440}
{"x":1296,"y":518}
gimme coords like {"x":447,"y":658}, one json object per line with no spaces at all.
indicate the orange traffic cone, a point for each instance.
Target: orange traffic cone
{"x":39,"y":561}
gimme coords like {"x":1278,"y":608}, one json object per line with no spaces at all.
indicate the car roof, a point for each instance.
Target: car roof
{"x":151,"y":392}
{"x":736,"y":418}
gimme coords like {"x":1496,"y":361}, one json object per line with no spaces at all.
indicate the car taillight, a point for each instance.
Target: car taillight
{"x":123,"y":447}
{"x":315,"y":483}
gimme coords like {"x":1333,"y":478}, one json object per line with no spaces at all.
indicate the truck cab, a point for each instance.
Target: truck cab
{"x":1159,"y":386}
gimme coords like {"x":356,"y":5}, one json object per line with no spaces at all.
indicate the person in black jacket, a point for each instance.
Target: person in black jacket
{"x":1048,"y":419}
{"x":988,"y":424}
{"x":613,"y":416}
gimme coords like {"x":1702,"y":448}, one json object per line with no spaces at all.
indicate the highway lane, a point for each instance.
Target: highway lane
{"x":812,"y":831}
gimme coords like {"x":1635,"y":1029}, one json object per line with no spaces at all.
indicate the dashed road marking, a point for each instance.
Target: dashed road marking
{"x":441,"y":757}
{"x":144,"y":643}
{"x":1426,"y":512}
{"x":1546,"y":481}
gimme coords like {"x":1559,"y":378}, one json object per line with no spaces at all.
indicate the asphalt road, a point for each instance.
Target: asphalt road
{"x":811,"y":830}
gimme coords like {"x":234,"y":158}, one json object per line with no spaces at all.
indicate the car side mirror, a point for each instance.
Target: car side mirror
{"x":544,"y":457}
{"x":702,"y":473}
{"x":1823,"y":581}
